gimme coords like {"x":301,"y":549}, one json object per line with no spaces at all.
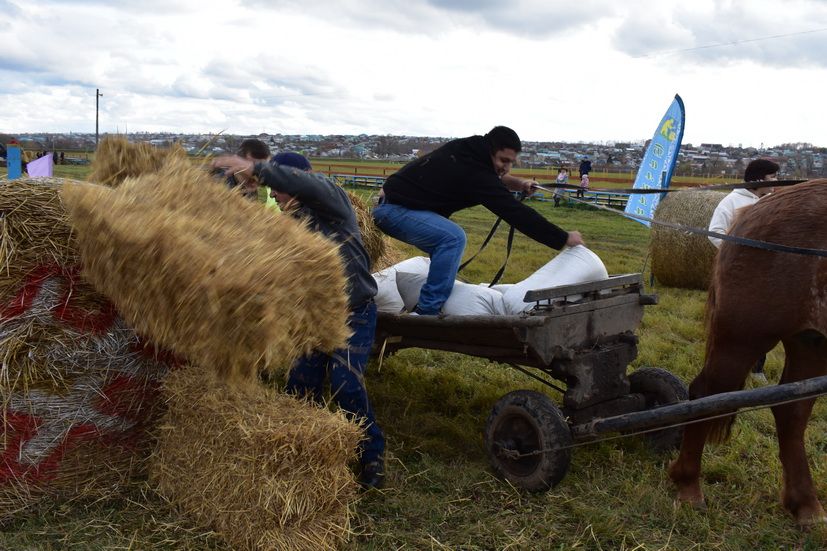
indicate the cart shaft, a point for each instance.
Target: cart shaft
{"x":693,"y":410}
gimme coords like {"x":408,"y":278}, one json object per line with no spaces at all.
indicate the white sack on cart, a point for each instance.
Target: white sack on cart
{"x":387,"y":297}
{"x":500,"y":288}
{"x":465,"y":299}
{"x":573,"y":265}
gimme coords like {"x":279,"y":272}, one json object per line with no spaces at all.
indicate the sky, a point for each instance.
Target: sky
{"x":749,"y":72}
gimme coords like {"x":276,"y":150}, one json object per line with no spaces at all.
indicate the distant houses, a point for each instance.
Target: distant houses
{"x":707,"y":159}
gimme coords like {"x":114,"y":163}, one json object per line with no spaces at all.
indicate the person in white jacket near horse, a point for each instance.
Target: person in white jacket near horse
{"x":759,"y":171}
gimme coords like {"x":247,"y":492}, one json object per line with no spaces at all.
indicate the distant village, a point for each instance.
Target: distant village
{"x":706,"y":160}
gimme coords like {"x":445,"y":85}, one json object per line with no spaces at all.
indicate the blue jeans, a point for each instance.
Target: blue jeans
{"x":443,"y":240}
{"x":346,"y":368}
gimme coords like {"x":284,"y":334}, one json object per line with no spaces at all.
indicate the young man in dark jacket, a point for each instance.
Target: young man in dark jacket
{"x":327,"y":209}
{"x":254,"y":150}
{"x":420,"y":197}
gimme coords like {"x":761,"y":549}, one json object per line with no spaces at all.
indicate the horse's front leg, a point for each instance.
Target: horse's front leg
{"x":725,"y":370}
{"x":685,"y":471}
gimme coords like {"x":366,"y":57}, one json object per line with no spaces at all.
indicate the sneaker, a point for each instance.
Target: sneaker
{"x":372,"y":475}
{"x":758,"y":379}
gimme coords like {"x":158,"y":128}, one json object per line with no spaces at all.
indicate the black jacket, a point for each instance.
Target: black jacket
{"x":327,"y":208}
{"x":461,"y":174}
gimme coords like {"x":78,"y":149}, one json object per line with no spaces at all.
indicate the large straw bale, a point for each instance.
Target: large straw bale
{"x":681,"y":259}
{"x":34,"y":230}
{"x":372,"y":237}
{"x":391,"y":254}
{"x":265,"y":470}
{"x":202,"y":271}
{"x":117,"y":159}
{"x":77,"y":386}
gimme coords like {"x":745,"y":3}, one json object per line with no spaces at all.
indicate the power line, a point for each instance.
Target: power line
{"x":732,"y":43}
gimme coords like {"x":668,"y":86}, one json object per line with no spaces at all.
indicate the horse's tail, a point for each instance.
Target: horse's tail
{"x":719,"y":429}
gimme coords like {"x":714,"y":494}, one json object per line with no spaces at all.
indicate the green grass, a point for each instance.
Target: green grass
{"x":441,"y":493}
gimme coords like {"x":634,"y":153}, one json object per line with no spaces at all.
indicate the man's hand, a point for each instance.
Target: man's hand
{"x":574,"y":239}
{"x":523,"y":185}
{"x":234,"y":165}
{"x":527,"y":186}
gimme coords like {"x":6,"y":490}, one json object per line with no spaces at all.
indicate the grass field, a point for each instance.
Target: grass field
{"x":441,"y":493}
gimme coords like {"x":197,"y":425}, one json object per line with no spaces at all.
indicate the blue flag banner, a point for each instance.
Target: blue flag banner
{"x":13,"y":162}
{"x":655,"y":170}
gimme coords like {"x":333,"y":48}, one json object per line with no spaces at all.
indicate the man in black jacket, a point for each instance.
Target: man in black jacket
{"x":585,"y":166}
{"x":420,"y":197}
{"x":327,"y":209}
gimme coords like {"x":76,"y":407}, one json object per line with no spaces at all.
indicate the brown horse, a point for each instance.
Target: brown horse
{"x":757,"y":299}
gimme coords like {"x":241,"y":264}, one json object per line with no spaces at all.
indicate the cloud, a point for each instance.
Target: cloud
{"x":9,"y":10}
{"x":537,"y":18}
{"x":405,"y":16}
{"x":426,"y":67}
{"x":529,"y":17}
{"x":772,"y":34}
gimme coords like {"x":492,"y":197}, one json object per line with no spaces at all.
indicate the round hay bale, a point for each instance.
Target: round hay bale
{"x":78,"y":385}
{"x":116,"y":159}
{"x":264,"y":470}
{"x":372,"y":237}
{"x":681,"y":259}
{"x":204,"y":272}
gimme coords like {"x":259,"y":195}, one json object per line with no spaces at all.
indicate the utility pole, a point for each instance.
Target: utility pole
{"x":97,"y":105}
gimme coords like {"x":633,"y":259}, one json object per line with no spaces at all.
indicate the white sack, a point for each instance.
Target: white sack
{"x":501,"y":288}
{"x":465,"y":299}
{"x":388,"y":298}
{"x":573,"y":265}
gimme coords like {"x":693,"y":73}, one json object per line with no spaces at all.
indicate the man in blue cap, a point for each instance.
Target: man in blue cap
{"x":327,"y":209}
{"x":290,"y":158}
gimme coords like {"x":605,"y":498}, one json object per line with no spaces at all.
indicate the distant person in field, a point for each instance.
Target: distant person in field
{"x":562,"y":180}
{"x":254,"y":150}
{"x":585,"y":166}
{"x":584,"y":185}
{"x":760,"y":171}
{"x":420,"y":198}
{"x":327,"y":209}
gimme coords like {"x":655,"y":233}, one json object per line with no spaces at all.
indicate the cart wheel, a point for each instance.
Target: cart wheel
{"x":660,"y":387}
{"x":522,"y":422}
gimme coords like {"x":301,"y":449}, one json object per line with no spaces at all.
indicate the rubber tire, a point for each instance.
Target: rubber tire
{"x":660,"y":387}
{"x":528,"y":421}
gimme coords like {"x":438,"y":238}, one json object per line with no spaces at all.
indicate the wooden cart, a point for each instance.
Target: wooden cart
{"x":582,"y":335}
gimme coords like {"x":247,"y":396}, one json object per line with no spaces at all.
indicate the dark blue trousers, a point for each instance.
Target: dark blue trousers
{"x":346,"y":368}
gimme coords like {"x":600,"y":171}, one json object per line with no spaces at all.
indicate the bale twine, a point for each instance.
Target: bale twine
{"x":264,"y":470}
{"x":77,"y":385}
{"x":372,"y":237}
{"x":215,"y":278}
{"x":681,"y":259}
{"x":117,"y":159}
